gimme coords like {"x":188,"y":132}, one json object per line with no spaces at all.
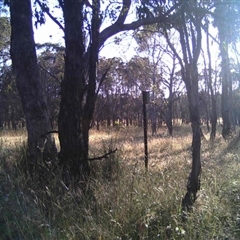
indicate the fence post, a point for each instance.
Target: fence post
{"x":146,"y":97}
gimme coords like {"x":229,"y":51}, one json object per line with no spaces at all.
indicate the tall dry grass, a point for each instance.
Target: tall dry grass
{"x":125,"y":202}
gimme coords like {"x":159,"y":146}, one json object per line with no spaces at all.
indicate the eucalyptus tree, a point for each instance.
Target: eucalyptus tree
{"x":227,"y":20}
{"x":149,"y":46}
{"x":10,"y":105}
{"x":210,"y":81}
{"x":109,"y":90}
{"x":51,"y":64}
{"x":188,"y":26}
{"x":25,"y":67}
{"x":172,"y":83}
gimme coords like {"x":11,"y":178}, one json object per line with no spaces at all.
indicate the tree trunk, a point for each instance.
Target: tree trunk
{"x":193,"y":184}
{"x":212,"y":97}
{"x":168,"y":117}
{"x":190,"y":39}
{"x":225,"y":91}
{"x":223,"y":39}
{"x":78,"y":88}
{"x":25,"y":67}
{"x":73,"y":154}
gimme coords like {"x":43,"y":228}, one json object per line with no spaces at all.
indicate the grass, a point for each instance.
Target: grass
{"x":126,"y":202}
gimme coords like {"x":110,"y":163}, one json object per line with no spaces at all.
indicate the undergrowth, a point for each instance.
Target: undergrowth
{"x":125,"y":201}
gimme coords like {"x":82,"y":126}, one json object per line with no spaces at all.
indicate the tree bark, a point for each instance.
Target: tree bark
{"x":190,"y":39}
{"x":73,"y":154}
{"x":193,"y":184}
{"x":78,"y":91}
{"x":213,"y":98}
{"x":25,"y":67}
{"x":223,"y":44}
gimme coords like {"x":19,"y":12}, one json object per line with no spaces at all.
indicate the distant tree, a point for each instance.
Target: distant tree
{"x":5,"y":29}
{"x":51,"y":66}
{"x":149,"y":46}
{"x":11,"y":114}
{"x":173,"y":85}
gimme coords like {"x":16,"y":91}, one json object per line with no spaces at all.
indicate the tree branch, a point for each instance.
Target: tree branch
{"x":102,"y":79}
{"x":103,"y":156}
{"x":52,"y":75}
{"x":119,"y":25}
{"x":50,"y":132}
{"x":46,"y":10}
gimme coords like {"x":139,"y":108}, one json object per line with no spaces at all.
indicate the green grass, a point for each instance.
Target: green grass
{"x":125,"y":202}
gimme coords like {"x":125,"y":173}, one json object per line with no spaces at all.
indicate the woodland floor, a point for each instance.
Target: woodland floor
{"x":128,"y":202}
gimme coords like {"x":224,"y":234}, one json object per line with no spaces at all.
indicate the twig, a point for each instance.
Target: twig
{"x":103,"y":156}
{"x":45,"y":134}
{"x":52,"y":75}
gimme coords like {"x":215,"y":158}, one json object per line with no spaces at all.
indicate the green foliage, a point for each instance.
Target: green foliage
{"x":4,"y":39}
{"x":226,"y":18}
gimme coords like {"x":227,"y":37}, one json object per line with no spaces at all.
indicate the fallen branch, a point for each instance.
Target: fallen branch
{"x":103,"y":156}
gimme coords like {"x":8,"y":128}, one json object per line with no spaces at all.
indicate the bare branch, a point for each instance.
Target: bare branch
{"x":52,"y":75}
{"x":103,"y":156}
{"x":119,"y":25}
{"x":47,"y":133}
{"x":103,"y":78}
{"x":46,"y":10}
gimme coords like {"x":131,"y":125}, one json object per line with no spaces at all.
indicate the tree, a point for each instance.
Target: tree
{"x":208,"y":72}
{"x":26,"y":71}
{"x":188,"y":26}
{"x":226,"y":19}
{"x":11,"y":111}
{"x":148,"y":42}
{"x":51,"y":64}
{"x":4,"y":56}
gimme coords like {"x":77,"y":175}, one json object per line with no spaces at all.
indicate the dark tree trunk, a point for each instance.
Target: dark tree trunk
{"x":153,"y":119}
{"x":225,"y":91}
{"x":25,"y":67}
{"x":223,"y":44}
{"x":1,"y":122}
{"x":168,"y":118}
{"x":108,"y":121}
{"x":77,"y":91}
{"x":73,"y":154}
{"x":212,"y":97}
{"x":169,"y":114}
{"x":193,"y":184}
{"x":153,"y":110}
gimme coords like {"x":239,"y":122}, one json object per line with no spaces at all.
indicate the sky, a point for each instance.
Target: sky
{"x":50,"y":32}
